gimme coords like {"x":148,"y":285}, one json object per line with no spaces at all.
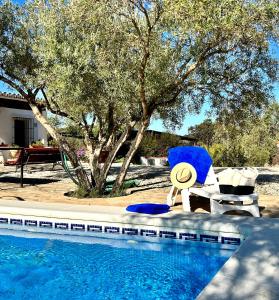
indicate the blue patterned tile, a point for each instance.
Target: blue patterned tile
{"x":78,"y":227}
{"x":94,"y":228}
{"x":31,"y":223}
{"x":167,"y":234}
{"x":16,"y":221}
{"x":126,"y":231}
{"x":188,"y":236}
{"x":45,"y":224}
{"x":148,"y":232}
{"x":4,"y":220}
{"x":62,"y":226}
{"x":209,"y":238}
{"x":110,"y":229}
{"x":130,"y":231}
{"x":230,"y":240}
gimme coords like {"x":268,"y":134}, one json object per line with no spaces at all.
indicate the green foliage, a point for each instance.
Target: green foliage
{"x":15,"y":146}
{"x":251,"y":144}
{"x":154,"y":145}
{"x":37,"y":143}
{"x":87,"y":55}
{"x":217,"y":151}
{"x":203,"y":132}
{"x":83,"y":193}
{"x":224,"y":156}
{"x":53,"y":143}
{"x":235,"y":31}
{"x":80,"y":192}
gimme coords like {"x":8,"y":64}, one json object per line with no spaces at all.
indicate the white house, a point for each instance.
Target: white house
{"x":17,"y":122}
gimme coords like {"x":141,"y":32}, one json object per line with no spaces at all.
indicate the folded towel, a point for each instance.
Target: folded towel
{"x":198,"y":157}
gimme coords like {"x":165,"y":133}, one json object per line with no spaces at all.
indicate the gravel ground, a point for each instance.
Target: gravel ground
{"x":149,"y":176}
{"x":267,"y":182}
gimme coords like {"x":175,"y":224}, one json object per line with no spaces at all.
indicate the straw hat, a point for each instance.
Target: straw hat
{"x":183,"y":175}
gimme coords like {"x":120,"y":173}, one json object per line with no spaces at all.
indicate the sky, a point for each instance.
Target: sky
{"x":190,"y":119}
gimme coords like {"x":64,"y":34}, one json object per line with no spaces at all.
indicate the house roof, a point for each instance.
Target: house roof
{"x":13,"y":101}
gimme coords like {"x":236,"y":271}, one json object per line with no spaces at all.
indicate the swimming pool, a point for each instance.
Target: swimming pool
{"x":42,"y":266}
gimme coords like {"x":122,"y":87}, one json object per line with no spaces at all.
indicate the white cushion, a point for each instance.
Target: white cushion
{"x":235,"y":177}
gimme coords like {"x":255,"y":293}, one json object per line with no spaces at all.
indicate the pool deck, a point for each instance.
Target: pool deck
{"x":251,"y":273}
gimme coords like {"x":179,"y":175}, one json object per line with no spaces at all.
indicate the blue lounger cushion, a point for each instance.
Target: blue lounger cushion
{"x":148,"y":208}
{"x":198,"y":157}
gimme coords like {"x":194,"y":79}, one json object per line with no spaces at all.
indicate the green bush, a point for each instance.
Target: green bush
{"x":152,"y":145}
{"x":227,"y":156}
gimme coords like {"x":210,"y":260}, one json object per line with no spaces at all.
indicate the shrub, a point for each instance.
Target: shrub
{"x":153,"y":145}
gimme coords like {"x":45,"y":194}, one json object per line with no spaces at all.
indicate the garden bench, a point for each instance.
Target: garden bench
{"x":28,"y":156}
{"x":40,"y":155}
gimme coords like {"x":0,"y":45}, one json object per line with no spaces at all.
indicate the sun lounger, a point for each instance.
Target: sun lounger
{"x":223,"y":202}
{"x":230,"y":190}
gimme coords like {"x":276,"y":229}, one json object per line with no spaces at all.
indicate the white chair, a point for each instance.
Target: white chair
{"x":210,"y":183}
{"x":219,"y":202}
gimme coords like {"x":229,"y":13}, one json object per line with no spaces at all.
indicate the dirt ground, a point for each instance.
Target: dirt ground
{"x":46,"y":190}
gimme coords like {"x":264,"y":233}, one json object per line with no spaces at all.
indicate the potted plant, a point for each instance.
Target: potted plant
{"x":14,"y":152}
{"x":36,"y":144}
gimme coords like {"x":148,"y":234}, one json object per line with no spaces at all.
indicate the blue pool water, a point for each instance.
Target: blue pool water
{"x":47,"y":268}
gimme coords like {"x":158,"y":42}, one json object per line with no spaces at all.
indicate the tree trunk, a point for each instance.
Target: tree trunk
{"x":100,"y":174}
{"x":134,"y":147}
{"x":94,"y":155}
{"x":80,"y":173}
{"x":115,"y":149}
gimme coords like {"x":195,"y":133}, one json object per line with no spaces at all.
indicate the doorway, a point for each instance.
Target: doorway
{"x":22,"y":132}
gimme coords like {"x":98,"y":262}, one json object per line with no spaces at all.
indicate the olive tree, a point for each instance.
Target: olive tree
{"x":110,"y":66}
{"x":190,"y":52}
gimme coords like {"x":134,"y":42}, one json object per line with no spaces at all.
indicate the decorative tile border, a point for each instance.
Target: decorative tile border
{"x":123,"y":231}
{"x":44,"y":224}
{"x":188,"y":236}
{"x":4,"y":220}
{"x":78,"y":227}
{"x":16,"y":222}
{"x":31,"y":223}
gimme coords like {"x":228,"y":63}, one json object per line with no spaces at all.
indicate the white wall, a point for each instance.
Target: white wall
{"x":7,"y":116}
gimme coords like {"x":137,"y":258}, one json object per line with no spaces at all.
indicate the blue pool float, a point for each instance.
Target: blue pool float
{"x":148,"y":208}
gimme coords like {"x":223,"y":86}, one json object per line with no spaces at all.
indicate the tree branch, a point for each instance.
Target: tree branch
{"x":56,"y":111}
{"x":177,"y":87}
{"x":14,"y":85}
{"x":143,"y":9}
{"x":93,"y":122}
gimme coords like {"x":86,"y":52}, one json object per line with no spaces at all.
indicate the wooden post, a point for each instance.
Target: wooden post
{"x":21,"y":167}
